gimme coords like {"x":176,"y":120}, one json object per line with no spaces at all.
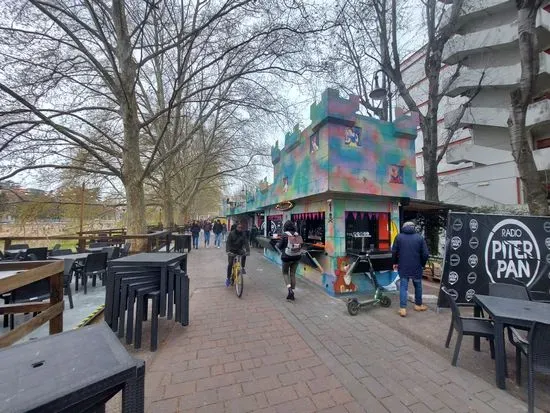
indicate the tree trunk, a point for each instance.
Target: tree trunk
{"x":132,"y":169}
{"x":521,"y":97}
{"x":168,"y":206}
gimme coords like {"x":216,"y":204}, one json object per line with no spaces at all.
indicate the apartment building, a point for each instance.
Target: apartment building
{"x":478,"y":168}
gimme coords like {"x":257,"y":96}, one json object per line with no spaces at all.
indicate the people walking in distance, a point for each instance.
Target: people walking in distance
{"x":224,"y":232}
{"x":207,"y":228}
{"x":253,"y":235}
{"x":290,"y":247}
{"x":410,"y":254}
{"x":195,"y":231}
{"x":217,"y":229}
{"x":237,"y":244}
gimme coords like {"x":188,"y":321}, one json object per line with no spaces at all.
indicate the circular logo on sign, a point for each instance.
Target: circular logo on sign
{"x":456,"y":242}
{"x":454,"y":260}
{"x":472,"y":278}
{"x":547,"y":242}
{"x":547,"y":226}
{"x":457,"y":224}
{"x":470,"y":294}
{"x":474,"y":225}
{"x":472,"y":260}
{"x":453,"y":277}
{"x":453,"y":294}
{"x":474,"y":243}
{"x":512,"y":252}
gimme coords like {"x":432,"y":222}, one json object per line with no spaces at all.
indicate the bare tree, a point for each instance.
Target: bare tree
{"x":77,"y":75}
{"x":370,"y":32}
{"x":521,"y":98}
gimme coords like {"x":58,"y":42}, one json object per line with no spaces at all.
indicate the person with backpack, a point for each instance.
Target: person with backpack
{"x":290,"y":247}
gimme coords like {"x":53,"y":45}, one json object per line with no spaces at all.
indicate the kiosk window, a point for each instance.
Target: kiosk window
{"x":377,"y":224}
{"x":311,"y":226}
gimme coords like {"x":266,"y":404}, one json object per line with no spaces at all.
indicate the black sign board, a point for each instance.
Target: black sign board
{"x":482,"y":249}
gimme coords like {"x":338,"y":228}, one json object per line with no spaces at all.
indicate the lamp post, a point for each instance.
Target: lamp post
{"x":380,"y":93}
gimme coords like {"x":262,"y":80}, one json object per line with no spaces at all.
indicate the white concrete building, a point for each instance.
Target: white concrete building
{"x":478,"y":168}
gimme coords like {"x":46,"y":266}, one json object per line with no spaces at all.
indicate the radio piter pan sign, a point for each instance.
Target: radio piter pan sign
{"x":512,"y":252}
{"x":483,"y":249}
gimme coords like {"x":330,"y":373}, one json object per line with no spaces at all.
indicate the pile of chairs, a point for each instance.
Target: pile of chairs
{"x":130,"y":293}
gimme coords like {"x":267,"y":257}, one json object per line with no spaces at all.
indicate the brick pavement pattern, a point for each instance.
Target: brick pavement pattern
{"x":261,"y":353}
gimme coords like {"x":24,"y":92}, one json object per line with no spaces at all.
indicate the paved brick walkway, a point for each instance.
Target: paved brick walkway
{"x":263,"y":354}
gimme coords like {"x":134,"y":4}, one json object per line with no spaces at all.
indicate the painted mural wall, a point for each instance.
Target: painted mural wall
{"x":340,"y":150}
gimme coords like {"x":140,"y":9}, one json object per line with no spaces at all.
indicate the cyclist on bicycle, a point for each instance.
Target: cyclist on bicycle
{"x":236,"y":244}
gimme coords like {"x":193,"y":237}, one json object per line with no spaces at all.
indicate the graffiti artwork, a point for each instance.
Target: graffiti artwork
{"x":353,"y":137}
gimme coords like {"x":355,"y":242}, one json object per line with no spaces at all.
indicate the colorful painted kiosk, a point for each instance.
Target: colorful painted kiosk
{"x":343,"y":175}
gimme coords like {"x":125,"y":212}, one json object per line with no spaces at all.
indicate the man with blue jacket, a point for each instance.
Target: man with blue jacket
{"x":410,"y":254}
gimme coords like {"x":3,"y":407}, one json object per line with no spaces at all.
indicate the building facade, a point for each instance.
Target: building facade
{"x":478,"y":168}
{"x":342,"y":180}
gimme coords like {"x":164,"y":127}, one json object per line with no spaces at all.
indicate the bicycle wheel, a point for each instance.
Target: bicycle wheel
{"x":239,"y":283}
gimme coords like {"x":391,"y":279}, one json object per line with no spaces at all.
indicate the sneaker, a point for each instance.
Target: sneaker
{"x":243,"y":271}
{"x":402,"y":312}
{"x":227,"y":282}
{"x":290,"y":295}
{"x":420,"y":307}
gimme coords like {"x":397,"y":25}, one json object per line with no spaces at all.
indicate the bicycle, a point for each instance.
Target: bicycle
{"x":237,"y":276}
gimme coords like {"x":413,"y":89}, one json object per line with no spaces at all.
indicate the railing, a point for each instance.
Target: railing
{"x":154,"y":241}
{"x":51,"y":311}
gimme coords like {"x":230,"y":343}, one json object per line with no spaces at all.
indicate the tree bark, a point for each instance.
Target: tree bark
{"x":521,"y":98}
{"x":168,"y":207}
{"x":132,"y":169}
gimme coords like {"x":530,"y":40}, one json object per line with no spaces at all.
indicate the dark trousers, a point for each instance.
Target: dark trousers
{"x":230,"y":264}
{"x":289,"y":273}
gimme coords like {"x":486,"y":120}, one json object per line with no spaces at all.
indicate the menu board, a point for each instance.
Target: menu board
{"x":482,"y":249}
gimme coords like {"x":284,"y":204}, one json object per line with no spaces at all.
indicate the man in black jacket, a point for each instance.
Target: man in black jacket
{"x":217,"y":229}
{"x":410,"y":254}
{"x":236,"y":244}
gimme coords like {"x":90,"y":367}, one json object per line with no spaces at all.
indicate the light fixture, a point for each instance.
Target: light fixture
{"x":378,"y":93}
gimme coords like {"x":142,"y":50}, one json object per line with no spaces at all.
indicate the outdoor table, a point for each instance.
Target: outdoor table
{"x":70,"y":259}
{"x":79,"y":370}
{"x":508,"y":311}
{"x":182,"y":242}
{"x":161,"y":260}
{"x":15,"y":252}
{"x":96,"y":249}
{"x":5,"y":274}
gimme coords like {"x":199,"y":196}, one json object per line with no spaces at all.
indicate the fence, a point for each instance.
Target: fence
{"x":52,"y":311}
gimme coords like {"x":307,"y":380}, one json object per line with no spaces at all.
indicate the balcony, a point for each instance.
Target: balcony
{"x":538,"y":113}
{"x":542,"y":159}
{"x":479,"y":154}
{"x":478,"y":9}
{"x":493,"y":39}
{"x":498,"y":77}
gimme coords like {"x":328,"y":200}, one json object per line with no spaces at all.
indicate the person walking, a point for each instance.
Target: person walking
{"x":410,"y":254}
{"x":290,"y":247}
{"x":207,"y":229}
{"x":224,"y":232}
{"x":217,"y":229}
{"x":195,"y":232}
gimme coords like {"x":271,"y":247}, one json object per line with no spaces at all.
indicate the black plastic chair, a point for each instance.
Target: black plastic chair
{"x":115,"y":254}
{"x":56,"y":253}
{"x":35,"y":254}
{"x":95,"y":266}
{"x":125,"y":250}
{"x":109,"y":251}
{"x":98,"y":244}
{"x":538,"y":359}
{"x":468,"y":326}
{"x":18,"y":247}
{"x":34,"y":292}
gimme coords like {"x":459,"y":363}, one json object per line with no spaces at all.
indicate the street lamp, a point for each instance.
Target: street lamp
{"x":380,"y":93}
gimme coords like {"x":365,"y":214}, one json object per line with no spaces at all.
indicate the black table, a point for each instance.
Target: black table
{"x":182,"y":242}
{"x":76,"y":371}
{"x":508,"y":311}
{"x":153,"y":259}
